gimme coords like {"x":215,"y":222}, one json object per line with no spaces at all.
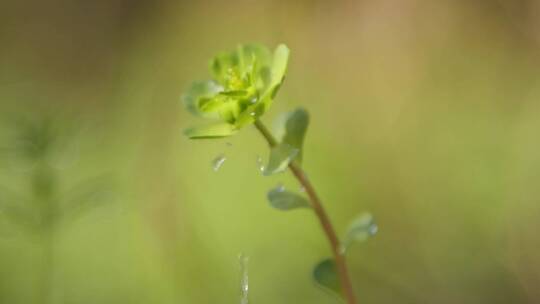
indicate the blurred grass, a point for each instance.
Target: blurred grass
{"x":423,"y":113}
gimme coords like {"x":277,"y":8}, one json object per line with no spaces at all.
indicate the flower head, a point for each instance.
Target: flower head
{"x":243,"y":85}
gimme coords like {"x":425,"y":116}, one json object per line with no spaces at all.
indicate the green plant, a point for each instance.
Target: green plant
{"x":42,"y":209}
{"x":244,"y":85}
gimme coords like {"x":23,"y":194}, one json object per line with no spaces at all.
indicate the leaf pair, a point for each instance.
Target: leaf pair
{"x":325,"y":273}
{"x":289,"y":149}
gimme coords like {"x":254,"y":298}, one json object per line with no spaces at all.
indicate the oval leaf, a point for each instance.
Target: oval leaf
{"x":285,"y":200}
{"x":295,"y":130}
{"x":210,"y":131}
{"x":325,"y":275}
{"x":200,"y":93}
{"x":280,"y":157}
{"x":277,"y":74}
{"x":279,"y":64}
{"x":360,"y":229}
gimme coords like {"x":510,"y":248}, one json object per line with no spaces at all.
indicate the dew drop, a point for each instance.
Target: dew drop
{"x":279,"y":188}
{"x":244,"y":280}
{"x":373,"y":229}
{"x":218,"y":162}
{"x":260,"y":164}
{"x":302,"y":189}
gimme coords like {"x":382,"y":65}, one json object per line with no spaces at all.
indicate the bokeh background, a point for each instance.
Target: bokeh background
{"x":424,"y":113}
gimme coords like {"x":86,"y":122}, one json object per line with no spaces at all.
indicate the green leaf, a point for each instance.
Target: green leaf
{"x":361,"y":228}
{"x":280,"y":157}
{"x":210,"y":131}
{"x":200,"y":93}
{"x":253,"y":58}
{"x":229,"y":111}
{"x":278,"y":70}
{"x":249,"y":115}
{"x":223,"y":65}
{"x":207,"y":105}
{"x":241,"y":68}
{"x":279,"y":64}
{"x":325,"y":274}
{"x":286,"y":200}
{"x":295,"y":130}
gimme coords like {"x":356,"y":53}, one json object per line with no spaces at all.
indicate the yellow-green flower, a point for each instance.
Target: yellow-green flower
{"x":243,"y":85}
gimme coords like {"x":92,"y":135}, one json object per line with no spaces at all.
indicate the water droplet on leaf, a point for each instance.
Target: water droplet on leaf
{"x":373,"y":229}
{"x":360,"y":229}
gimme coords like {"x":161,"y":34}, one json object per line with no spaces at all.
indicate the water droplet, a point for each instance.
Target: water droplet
{"x":279,"y":188}
{"x":218,"y":162}
{"x":302,"y":189}
{"x":260,"y":164}
{"x":253,"y":100}
{"x":373,"y":229}
{"x":244,"y":280}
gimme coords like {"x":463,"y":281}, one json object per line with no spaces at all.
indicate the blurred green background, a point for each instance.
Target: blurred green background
{"x":424,"y":113}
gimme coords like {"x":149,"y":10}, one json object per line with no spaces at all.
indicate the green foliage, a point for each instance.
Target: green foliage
{"x":281,"y":199}
{"x":295,"y":130}
{"x":245,"y":82}
{"x":43,"y":206}
{"x":280,"y":157}
{"x":325,"y":272}
{"x":325,"y":275}
{"x":290,"y":147}
{"x":360,"y":229}
{"x":211,"y":131}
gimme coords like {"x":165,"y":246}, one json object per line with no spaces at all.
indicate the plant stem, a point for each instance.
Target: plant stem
{"x":317,"y":206}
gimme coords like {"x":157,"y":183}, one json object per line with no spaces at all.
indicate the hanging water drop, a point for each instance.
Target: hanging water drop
{"x":244,"y":280}
{"x":360,"y":230}
{"x":260,"y":164}
{"x":373,"y":229}
{"x":218,"y":162}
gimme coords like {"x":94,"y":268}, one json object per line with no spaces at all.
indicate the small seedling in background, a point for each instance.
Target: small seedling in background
{"x":43,"y":208}
{"x":244,"y":84}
